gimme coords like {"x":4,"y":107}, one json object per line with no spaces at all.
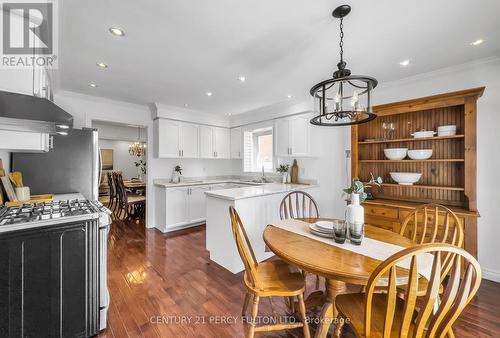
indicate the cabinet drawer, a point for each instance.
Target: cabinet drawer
{"x":382,"y":223}
{"x":387,"y":212}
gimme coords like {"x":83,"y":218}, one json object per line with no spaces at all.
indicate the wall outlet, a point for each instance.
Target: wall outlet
{"x":348,"y":153}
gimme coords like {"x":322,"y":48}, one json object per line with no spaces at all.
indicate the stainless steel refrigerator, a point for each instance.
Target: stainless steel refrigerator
{"x":72,"y":165}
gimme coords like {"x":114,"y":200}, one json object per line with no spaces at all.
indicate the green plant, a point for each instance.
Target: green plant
{"x":178,"y":169}
{"x":142,"y":166}
{"x":283,"y":168}
{"x":358,"y":187}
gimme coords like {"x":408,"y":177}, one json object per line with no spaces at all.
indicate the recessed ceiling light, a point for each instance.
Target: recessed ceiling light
{"x":102,"y":65}
{"x":228,"y":114}
{"x":93,"y":85}
{"x":289,"y":96}
{"x":186,"y":105}
{"x":404,"y":63}
{"x":242,"y":78}
{"x":209,"y":94}
{"x":477,"y":42}
{"x":116,"y":31}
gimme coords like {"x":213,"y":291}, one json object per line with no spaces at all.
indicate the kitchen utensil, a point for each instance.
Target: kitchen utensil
{"x":447,"y":130}
{"x":9,"y":189}
{"x":423,"y":134}
{"x":395,"y":153}
{"x":17,"y":178}
{"x":420,"y":154}
{"x":405,"y":178}
{"x":23,"y":193}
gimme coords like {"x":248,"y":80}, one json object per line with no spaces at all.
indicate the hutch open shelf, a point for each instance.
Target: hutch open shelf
{"x":448,"y":177}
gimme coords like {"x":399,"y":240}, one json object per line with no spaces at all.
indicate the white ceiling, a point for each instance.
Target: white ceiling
{"x":175,"y":51}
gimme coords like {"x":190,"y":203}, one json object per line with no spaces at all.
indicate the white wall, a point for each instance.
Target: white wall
{"x":482,"y":73}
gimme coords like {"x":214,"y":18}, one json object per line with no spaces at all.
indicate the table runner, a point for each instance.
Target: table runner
{"x":369,"y":247}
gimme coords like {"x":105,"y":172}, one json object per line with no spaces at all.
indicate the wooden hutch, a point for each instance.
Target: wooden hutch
{"x":448,"y":177}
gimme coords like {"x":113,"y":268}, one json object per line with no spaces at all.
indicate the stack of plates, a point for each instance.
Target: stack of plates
{"x":322,"y":228}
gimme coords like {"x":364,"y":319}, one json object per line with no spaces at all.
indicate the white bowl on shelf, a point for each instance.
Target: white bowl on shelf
{"x":420,"y":154}
{"x":423,"y":134}
{"x":406,"y":178}
{"x":395,"y":153}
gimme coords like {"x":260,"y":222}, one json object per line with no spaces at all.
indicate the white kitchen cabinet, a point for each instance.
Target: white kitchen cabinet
{"x":222,"y":140}
{"x":236,"y":143}
{"x":197,"y":203}
{"x":188,"y":140}
{"x":282,"y":137}
{"x":22,"y":141}
{"x":176,"y":139}
{"x":167,"y":138}
{"x":292,"y":136}
{"x":177,"y":210}
{"x":206,"y":142}
{"x":214,"y":142}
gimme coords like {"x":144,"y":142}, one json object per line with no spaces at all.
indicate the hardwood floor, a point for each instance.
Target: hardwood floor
{"x":164,"y":285}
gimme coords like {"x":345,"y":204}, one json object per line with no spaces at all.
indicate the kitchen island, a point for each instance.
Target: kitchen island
{"x":257,"y":206}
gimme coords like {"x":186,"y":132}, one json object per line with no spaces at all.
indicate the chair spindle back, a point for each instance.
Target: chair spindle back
{"x":298,"y":204}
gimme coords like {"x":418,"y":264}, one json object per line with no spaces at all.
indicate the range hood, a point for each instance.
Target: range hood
{"x":30,"y":113}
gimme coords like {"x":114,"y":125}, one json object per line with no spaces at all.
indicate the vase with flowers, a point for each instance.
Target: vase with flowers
{"x":355,"y":213}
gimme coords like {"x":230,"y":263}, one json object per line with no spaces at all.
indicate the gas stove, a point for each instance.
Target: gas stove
{"x":28,"y":213}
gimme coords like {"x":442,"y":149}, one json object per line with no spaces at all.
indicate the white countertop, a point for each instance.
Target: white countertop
{"x":165,"y":183}
{"x":255,"y":191}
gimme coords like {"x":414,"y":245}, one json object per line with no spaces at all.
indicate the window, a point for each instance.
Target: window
{"x":258,"y":150}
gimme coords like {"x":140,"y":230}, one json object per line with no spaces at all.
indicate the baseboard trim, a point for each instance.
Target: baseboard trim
{"x":492,"y":275}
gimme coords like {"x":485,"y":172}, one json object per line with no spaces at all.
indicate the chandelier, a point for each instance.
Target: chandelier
{"x":344,"y":99}
{"x":137,"y":148}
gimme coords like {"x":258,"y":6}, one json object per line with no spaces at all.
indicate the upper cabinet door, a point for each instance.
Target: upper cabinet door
{"x":236,"y":141}
{"x":167,"y":138}
{"x":282,"y":137}
{"x":299,"y":135}
{"x":206,"y":136}
{"x":222,"y":141}
{"x":188,"y":140}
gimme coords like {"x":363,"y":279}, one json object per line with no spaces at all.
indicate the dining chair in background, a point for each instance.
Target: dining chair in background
{"x":267,"y":279}
{"x":299,"y":204}
{"x":375,"y":314}
{"x":131,"y":205}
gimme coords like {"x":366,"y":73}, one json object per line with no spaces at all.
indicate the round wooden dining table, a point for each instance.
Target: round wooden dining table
{"x":338,"y":265}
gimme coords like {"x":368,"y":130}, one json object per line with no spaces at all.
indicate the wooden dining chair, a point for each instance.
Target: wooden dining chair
{"x":433,"y":223}
{"x":267,"y":279}
{"x":131,"y":205}
{"x":374,"y":314}
{"x":298,"y":204}
{"x":113,"y":197}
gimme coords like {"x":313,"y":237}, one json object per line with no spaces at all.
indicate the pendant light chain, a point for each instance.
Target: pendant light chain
{"x":341,"y":44}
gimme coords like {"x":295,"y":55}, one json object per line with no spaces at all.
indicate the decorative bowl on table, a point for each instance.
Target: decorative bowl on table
{"x":395,"y":153}
{"x":423,"y":134}
{"x":405,"y":178}
{"x":420,"y":154}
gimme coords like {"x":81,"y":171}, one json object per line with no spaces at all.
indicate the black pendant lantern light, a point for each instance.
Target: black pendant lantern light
{"x":344,"y":99}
